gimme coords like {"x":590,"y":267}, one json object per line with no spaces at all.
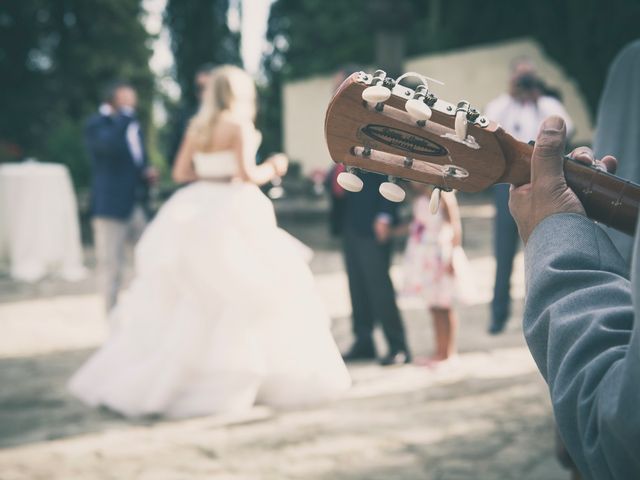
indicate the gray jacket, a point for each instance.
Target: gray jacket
{"x":579,"y":324}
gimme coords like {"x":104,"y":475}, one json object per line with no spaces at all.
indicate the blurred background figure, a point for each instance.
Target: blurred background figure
{"x":367,"y":243}
{"x":187,"y":111}
{"x":365,"y":220}
{"x":120,"y":179}
{"x":520,"y":112}
{"x":436,"y":268}
{"x":223,"y":312}
{"x":618,"y":125}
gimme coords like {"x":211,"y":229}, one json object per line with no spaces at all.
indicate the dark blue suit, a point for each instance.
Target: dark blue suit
{"x":368,"y":262}
{"x":117,"y":181}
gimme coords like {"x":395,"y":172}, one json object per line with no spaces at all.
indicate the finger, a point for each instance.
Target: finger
{"x":583,"y":155}
{"x":610,"y":162}
{"x":546,"y":162}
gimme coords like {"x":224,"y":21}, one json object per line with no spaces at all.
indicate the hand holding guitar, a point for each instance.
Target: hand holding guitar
{"x":548,"y":193}
{"x":280,"y":163}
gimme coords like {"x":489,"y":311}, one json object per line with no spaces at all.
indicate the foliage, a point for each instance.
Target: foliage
{"x":199,"y":35}
{"x":583,"y":36}
{"x":56,"y":57}
{"x":318,"y":36}
{"x":64,"y":145}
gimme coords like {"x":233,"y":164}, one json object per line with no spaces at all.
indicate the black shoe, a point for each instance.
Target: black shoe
{"x":396,"y":358}
{"x":497,"y":326}
{"x":360,"y":353}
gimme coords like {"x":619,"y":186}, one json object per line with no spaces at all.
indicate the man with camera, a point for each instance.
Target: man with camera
{"x":520,"y":112}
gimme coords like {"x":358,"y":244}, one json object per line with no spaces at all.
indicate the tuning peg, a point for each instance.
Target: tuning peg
{"x":376,"y":94}
{"x":418,"y":106}
{"x":434,"y":202}
{"x":350,"y":181}
{"x":418,"y":110}
{"x":380,"y":89}
{"x":461,"y":124}
{"x":392,"y":191}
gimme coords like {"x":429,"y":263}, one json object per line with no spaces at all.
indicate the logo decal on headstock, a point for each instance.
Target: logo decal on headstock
{"x":403,"y":140}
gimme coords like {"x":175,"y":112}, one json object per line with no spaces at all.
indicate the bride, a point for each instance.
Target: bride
{"x":223,"y":312}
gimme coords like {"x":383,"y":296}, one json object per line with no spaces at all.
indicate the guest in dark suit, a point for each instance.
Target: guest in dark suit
{"x":120,"y":177}
{"x":366,"y":222}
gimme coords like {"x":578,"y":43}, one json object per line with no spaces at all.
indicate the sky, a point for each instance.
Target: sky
{"x":253,"y":26}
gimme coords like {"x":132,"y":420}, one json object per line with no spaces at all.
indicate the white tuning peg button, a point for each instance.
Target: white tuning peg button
{"x":434,"y":202}
{"x":461,"y":124}
{"x":350,"y":181}
{"x":376,"y":94}
{"x":392,"y":192}
{"x":418,"y":110}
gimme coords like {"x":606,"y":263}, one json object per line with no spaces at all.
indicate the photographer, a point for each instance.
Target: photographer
{"x":520,"y":112}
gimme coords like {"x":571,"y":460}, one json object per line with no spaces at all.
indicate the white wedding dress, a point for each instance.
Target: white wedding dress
{"x":223,"y":312}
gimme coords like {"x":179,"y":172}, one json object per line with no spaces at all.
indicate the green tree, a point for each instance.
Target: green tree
{"x":199,"y":35}
{"x":583,"y":36}
{"x":316,"y":36}
{"x":56,"y":57}
{"x":306,"y":37}
{"x":310,"y":37}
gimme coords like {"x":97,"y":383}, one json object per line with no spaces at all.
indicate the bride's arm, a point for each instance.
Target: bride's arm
{"x":243,"y":147}
{"x":183,"y":171}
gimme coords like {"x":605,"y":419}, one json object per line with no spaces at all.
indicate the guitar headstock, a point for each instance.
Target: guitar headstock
{"x":373,"y":123}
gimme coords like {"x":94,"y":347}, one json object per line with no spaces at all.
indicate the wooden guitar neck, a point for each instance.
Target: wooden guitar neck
{"x":606,"y":198}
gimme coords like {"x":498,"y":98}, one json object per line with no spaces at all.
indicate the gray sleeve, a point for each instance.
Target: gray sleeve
{"x":579,"y":325}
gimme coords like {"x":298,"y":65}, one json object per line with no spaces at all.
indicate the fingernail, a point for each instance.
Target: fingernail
{"x":553,"y":123}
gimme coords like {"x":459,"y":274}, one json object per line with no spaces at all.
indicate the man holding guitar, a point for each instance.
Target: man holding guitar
{"x":579,"y":314}
{"x":579,"y":311}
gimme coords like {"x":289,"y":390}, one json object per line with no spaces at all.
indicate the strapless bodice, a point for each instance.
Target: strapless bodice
{"x":220,"y":164}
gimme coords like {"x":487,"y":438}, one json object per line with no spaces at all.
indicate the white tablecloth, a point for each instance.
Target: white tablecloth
{"x":39,"y":231}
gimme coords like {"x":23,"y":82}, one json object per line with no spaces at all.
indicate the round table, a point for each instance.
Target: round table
{"x":39,"y":231}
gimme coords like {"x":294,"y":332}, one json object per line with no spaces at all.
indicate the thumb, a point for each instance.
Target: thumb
{"x":546,"y":162}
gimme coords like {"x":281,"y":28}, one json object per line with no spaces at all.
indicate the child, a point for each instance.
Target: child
{"x":433,"y":261}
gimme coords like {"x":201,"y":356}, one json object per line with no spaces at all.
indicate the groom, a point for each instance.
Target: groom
{"x":367,"y":221}
{"x":120,"y":177}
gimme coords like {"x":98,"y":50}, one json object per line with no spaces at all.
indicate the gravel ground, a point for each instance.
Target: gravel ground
{"x":487,"y":416}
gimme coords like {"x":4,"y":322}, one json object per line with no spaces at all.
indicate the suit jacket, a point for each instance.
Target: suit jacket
{"x":580,"y":325}
{"x":117,"y":182}
{"x":361,"y":209}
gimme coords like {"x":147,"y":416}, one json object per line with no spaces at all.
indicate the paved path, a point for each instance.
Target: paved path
{"x":485,"y":417}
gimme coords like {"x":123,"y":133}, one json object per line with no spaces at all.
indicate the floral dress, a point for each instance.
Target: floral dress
{"x":428,"y":256}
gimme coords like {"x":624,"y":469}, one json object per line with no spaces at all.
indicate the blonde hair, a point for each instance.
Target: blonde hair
{"x":230,"y":89}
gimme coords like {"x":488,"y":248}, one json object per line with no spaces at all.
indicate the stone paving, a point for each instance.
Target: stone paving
{"x":487,"y":416}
